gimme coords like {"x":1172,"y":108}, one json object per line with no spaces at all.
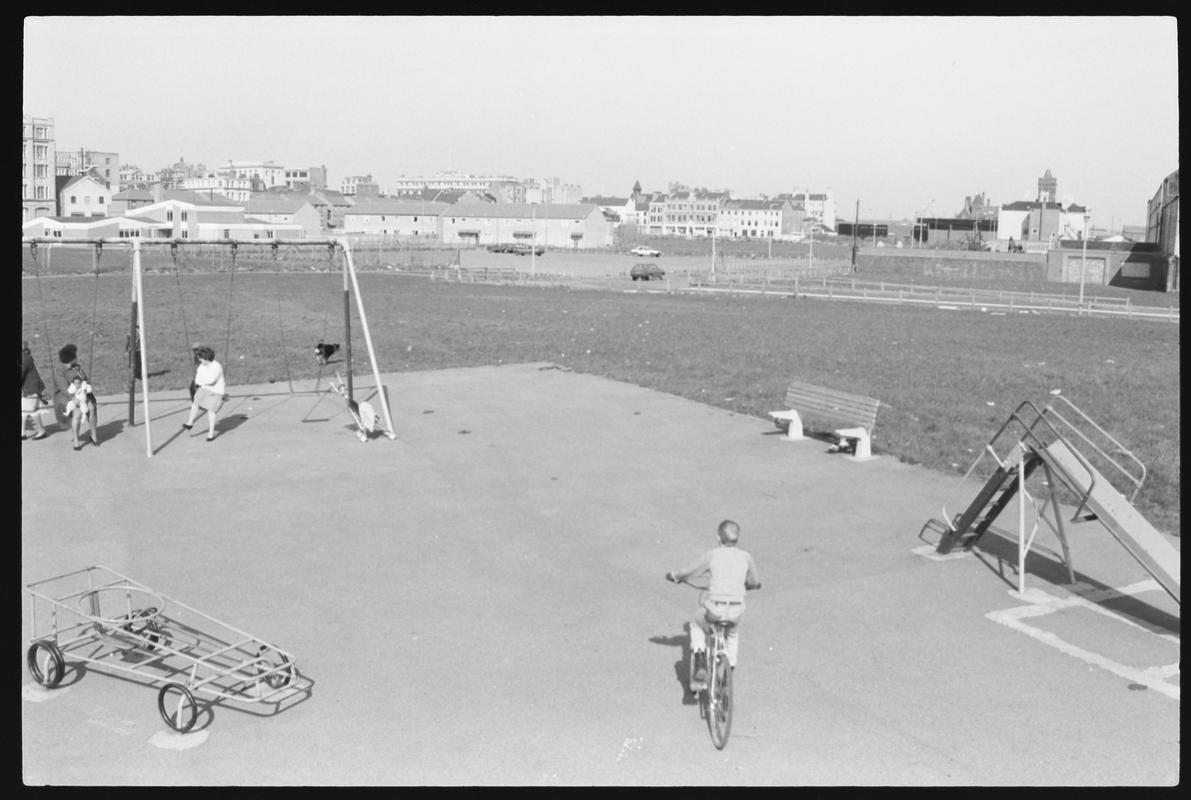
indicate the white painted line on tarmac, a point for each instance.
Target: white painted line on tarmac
{"x":1041,"y":603}
{"x":928,"y":551}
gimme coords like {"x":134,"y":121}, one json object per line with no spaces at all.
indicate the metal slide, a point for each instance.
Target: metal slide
{"x":1048,"y":437}
{"x":1157,"y":555}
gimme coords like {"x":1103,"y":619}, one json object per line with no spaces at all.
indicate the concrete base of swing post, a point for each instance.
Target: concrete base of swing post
{"x":793,"y":425}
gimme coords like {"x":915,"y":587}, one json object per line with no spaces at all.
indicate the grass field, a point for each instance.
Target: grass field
{"x":947,"y":379}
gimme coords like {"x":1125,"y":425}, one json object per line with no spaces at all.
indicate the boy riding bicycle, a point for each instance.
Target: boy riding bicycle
{"x":732,"y":572}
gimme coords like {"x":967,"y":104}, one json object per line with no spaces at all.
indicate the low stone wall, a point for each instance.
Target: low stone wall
{"x":913,"y":265}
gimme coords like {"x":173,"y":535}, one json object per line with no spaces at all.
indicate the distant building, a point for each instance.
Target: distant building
{"x":549,"y":190}
{"x":1162,"y":226}
{"x":618,"y":210}
{"x":281,"y":209}
{"x":360,"y":186}
{"x":564,"y":225}
{"x":757,"y":219}
{"x":133,"y":177}
{"x":335,"y":204}
{"x":83,"y":196}
{"x":175,"y":215}
{"x":129,"y":200}
{"x":105,"y":166}
{"x":261,"y":174}
{"x":235,"y":189}
{"x":413,"y":218}
{"x":1043,"y":219}
{"x":819,"y":206}
{"x":38,"y":163}
{"x":306,"y":178}
{"x":692,"y":213}
{"x":501,"y":188}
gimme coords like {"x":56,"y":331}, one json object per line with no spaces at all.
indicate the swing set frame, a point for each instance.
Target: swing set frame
{"x":351,"y":287}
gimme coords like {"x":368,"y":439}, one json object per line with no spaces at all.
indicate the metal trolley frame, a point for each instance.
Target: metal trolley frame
{"x":98,"y":616}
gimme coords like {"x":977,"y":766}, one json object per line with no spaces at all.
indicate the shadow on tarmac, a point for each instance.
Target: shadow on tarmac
{"x":1002,"y":551}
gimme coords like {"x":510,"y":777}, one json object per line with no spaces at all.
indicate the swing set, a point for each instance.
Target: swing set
{"x":137,"y":346}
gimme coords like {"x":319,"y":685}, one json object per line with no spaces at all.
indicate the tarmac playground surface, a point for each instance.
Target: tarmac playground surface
{"x":481,"y":601}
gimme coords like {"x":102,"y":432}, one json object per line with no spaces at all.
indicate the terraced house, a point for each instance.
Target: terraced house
{"x":688,"y":213}
{"x":756,"y":219}
{"x":565,"y":225}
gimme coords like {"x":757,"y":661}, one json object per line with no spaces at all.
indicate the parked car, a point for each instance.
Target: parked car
{"x":646,"y":271}
{"x":500,"y":247}
{"x":647,"y":252}
{"x":523,"y":249}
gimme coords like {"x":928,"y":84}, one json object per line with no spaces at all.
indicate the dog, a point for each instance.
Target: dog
{"x":324,"y":352}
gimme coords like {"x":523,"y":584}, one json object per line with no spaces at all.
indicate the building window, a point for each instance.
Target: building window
{"x":169,"y":216}
{"x":101,"y":199}
{"x":73,"y":199}
{"x":184,"y":216}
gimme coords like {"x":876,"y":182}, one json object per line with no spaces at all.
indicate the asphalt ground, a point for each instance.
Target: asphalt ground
{"x":481,"y":601}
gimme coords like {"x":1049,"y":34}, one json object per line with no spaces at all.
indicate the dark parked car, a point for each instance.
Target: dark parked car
{"x":523,"y":249}
{"x":646,"y":271}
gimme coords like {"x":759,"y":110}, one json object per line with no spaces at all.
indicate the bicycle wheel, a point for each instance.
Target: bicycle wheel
{"x":177,"y":707}
{"x":719,"y":711}
{"x":45,"y":663}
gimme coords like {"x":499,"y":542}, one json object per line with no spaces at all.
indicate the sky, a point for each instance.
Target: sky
{"x":903,"y":115}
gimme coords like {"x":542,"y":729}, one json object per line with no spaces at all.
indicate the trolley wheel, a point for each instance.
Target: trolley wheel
{"x":280,"y":668}
{"x":363,"y":437}
{"x":177,"y":707}
{"x":719,"y":708}
{"x":45,"y":663}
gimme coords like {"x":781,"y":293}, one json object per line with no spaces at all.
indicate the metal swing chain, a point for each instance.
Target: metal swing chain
{"x":94,"y":306}
{"x":227,"y":337}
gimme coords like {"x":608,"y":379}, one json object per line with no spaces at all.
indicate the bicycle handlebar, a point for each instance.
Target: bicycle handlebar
{"x":670,"y":576}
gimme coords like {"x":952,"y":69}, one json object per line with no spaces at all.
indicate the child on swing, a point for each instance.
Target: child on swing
{"x":88,"y":410}
{"x":79,"y":390}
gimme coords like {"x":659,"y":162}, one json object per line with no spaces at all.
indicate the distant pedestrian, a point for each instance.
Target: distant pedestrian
{"x":210,"y":390}
{"x":32,"y":393}
{"x":89,"y":411}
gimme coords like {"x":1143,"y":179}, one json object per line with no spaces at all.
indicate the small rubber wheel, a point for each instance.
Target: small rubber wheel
{"x":280,"y":668}
{"x":177,"y":707}
{"x":45,"y":663}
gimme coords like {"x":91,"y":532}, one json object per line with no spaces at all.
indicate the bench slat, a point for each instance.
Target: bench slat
{"x":821,"y":403}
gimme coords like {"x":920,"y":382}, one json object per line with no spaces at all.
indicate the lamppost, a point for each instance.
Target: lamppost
{"x":1083,"y":263}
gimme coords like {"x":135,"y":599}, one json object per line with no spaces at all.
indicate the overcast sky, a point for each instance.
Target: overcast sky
{"x":894,"y":112}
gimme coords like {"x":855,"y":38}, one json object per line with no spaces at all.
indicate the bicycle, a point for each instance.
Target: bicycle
{"x":715,"y":696}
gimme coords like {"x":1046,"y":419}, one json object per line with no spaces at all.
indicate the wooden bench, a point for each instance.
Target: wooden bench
{"x":855,"y":414}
